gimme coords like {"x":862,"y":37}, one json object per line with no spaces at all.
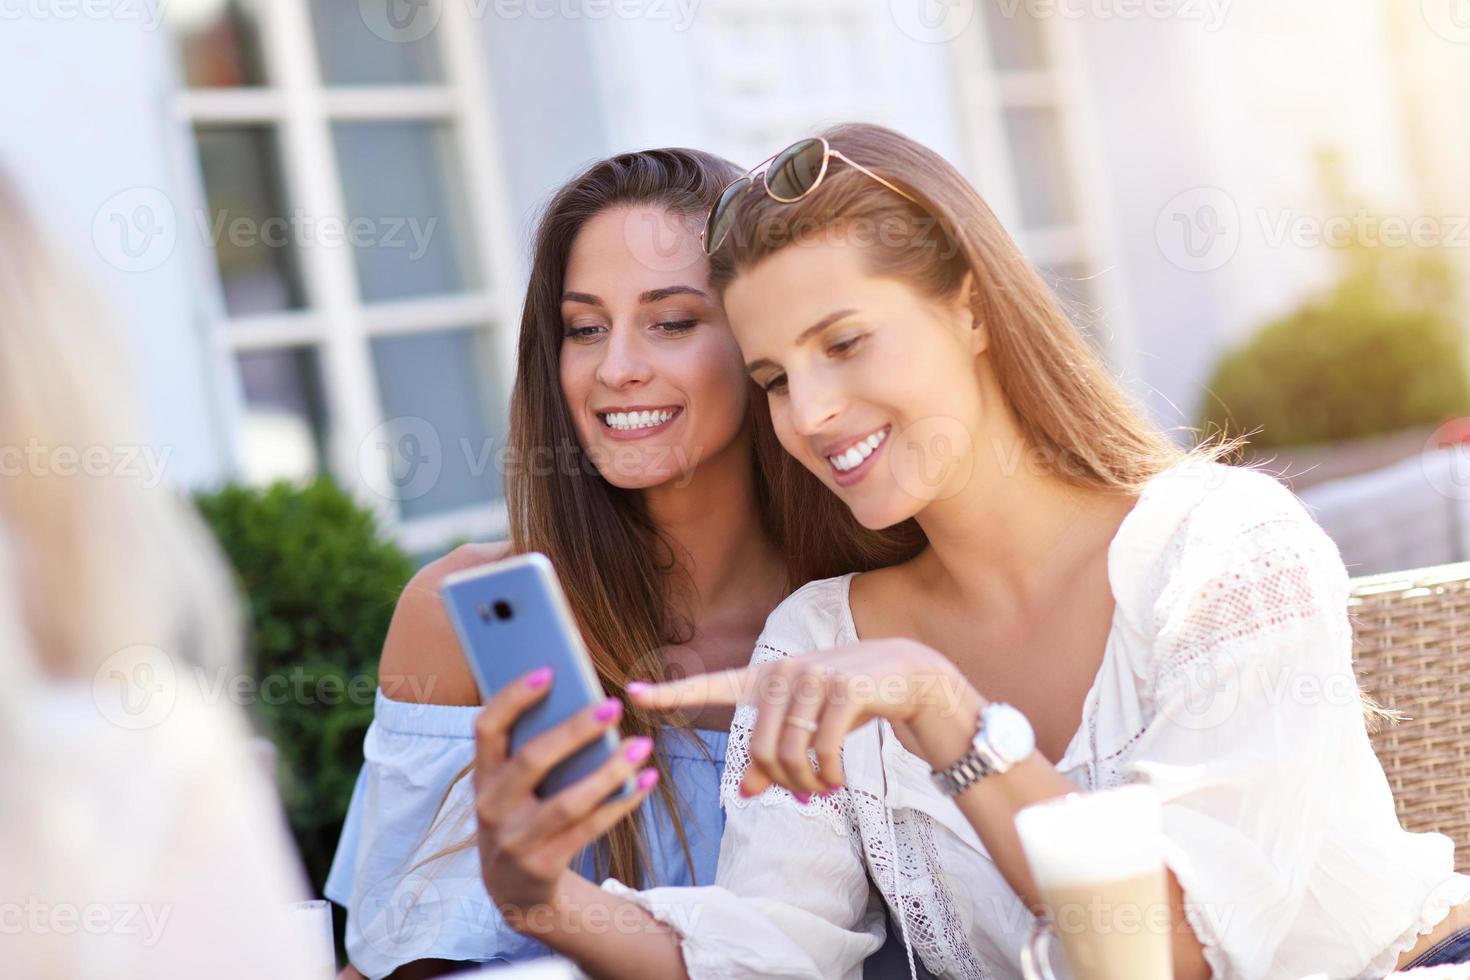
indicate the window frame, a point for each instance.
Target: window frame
{"x":335,"y":322}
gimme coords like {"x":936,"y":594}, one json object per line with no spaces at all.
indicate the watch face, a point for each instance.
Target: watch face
{"x":1009,"y":733}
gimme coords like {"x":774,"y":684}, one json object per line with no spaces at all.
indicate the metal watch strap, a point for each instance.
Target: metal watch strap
{"x":959,"y":776}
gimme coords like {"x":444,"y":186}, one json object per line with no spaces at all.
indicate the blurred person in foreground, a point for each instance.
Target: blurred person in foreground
{"x":138,"y":835}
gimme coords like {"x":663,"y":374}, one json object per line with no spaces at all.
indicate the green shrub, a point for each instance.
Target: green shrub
{"x":1378,"y":354}
{"x":320,"y":582}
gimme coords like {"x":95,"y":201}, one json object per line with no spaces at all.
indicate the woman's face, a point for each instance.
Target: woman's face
{"x":872,"y":385}
{"x":649,"y":368}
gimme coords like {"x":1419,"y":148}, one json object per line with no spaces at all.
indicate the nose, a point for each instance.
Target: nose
{"x":814,"y":405}
{"x":623,"y":362}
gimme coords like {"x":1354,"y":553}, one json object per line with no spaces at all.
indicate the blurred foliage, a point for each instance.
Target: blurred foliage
{"x":1382,"y":351}
{"x":320,"y":582}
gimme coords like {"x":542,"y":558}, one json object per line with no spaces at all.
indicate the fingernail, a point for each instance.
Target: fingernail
{"x":638,"y":687}
{"x":538,"y":677}
{"x":802,"y":797}
{"x":638,"y":749}
{"x":647,"y":778}
{"x":608,"y":710}
{"x":745,"y":794}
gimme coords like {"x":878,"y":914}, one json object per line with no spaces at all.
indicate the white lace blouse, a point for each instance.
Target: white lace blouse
{"x":1226,"y":684}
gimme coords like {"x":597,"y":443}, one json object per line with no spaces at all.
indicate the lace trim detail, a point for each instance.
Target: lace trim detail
{"x":1274,"y":584}
{"x":857,"y":815}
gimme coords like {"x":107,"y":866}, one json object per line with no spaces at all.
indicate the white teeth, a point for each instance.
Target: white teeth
{"x":857,"y":452}
{"x":637,"y":420}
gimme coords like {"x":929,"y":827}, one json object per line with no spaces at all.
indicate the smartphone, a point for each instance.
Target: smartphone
{"x":512,"y":617}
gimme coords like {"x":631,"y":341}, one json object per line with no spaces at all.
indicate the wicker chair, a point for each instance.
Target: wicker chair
{"x":1412,"y":646}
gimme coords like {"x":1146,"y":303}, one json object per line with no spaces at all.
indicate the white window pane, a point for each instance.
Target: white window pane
{"x":1038,"y":160}
{"x":1017,"y":42}
{"x":246,"y":220}
{"x":219,"y":42}
{"x":284,"y":429}
{"x":439,"y":387}
{"x":404,"y":194}
{"x":376,"y":42}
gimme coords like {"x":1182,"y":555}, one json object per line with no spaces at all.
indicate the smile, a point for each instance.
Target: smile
{"x":635,"y":420}
{"x":858,"y":452}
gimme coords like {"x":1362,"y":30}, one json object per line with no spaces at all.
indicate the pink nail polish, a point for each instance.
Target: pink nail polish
{"x":538,"y":677}
{"x":647,"y":778}
{"x":608,"y":710}
{"x":638,"y":687}
{"x":744,"y":793}
{"x":638,"y":749}
{"x":802,"y":797}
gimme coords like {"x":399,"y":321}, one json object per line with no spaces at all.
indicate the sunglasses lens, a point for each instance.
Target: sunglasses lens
{"x":722,"y":214}
{"x":796,"y":170}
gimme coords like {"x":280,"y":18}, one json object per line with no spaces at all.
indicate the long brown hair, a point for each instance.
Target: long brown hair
{"x":616,"y":566}
{"x":1064,"y":397}
{"x":1070,"y":408}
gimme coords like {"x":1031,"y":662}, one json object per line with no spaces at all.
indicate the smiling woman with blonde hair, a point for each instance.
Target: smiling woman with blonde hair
{"x":138,"y":835}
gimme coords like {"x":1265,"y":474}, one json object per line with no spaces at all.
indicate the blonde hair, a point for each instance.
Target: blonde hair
{"x":78,"y":521}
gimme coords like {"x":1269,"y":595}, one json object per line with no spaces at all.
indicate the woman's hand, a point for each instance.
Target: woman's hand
{"x":811,"y":702}
{"x":526,"y":843}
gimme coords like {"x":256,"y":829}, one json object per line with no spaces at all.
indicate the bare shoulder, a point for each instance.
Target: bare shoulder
{"x":422,"y":661}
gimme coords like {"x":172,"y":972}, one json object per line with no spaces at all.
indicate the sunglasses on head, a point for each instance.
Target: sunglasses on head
{"x":793,"y":174}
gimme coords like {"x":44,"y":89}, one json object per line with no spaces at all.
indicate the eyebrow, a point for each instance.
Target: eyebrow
{"x":650,"y":296}
{"x":804,"y":336}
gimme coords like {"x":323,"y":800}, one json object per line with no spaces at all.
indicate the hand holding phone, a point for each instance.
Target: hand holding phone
{"x":511,"y":617}
{"x":541,"y":795}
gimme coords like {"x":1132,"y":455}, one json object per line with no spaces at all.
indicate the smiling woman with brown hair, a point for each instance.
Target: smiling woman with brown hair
{"x":642,"y":461}
{"x":1093,"y":608}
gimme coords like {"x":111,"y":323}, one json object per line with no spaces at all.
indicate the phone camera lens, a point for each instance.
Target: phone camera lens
{"x":503,"y":610}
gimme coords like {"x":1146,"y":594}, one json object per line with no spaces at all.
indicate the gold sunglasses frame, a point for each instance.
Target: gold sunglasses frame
{"x":765,"y":181}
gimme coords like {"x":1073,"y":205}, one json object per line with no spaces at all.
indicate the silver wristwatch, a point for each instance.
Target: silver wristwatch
{"x":1003,"y":737}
